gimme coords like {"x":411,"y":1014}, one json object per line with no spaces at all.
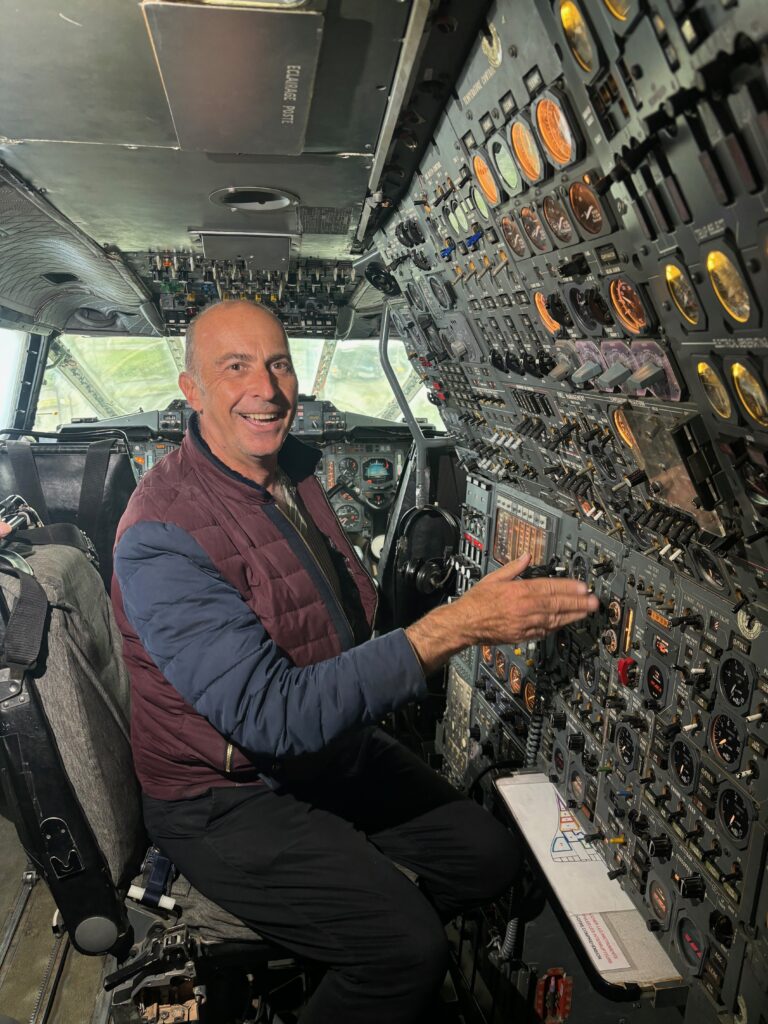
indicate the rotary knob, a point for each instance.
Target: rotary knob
{"x":659,"y":846}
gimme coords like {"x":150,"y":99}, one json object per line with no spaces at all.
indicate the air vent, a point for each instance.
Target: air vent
{"x":94,"y":318}
{"x":57,"y":278}
{"x":253,"y":199}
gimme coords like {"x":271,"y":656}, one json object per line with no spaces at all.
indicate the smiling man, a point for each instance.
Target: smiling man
{"x":257,"y":687}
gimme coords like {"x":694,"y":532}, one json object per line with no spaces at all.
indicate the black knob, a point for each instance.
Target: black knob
{"x":575,"y":741}
{"x":474,"y":733}
{"x":691,"y":887}
{"x":617,"y":872}
{"x":558,"y":720}
{"x":603,"y":567}
{"x":652,"y":924}
{"x":660,"y":846}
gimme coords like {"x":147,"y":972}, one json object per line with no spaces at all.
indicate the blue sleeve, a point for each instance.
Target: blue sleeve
{"x":212,"y":648}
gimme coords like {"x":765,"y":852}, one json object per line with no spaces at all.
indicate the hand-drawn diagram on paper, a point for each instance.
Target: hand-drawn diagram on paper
{"x":568,"y":844}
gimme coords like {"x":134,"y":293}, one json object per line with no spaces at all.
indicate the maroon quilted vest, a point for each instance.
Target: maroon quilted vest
{"x":177,"y":752}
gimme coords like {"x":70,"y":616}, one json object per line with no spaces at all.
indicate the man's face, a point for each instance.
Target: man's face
{"x":247,"y":388}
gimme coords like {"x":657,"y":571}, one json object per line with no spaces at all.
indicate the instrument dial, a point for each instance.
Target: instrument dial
{"x":513,"y":236}
{"x":691,"y":942}
{"x":725,"y":740}
{"x":733,"y":812}
{"x":555,"y":131}
{"x":714,"y":389}
{"x":577,"y":786}
{"x":347,"y":466}
{"x":728,"y":286}
{"x":577,"y":34}
{"x":586,"y":208}
{"x":736,"y":680}
{"x":533,"y":227}
{"x":655,"y":683}
{"x":751,"y":393}
{"x":628,"y":305}
{"x":659,"y":900}
{"x":378,"y":471}
{"x":557,"y":219}
{"x":683,"y":762}
{"x":349,"y":516}
{"x":682,"y":294}
{"x":515,"y":680}
{"x":526,"y":150}
{"x":486,"y":653}
{"x":506,"y":166}
{"x":626,"y":746}
{"x":501,"y":665}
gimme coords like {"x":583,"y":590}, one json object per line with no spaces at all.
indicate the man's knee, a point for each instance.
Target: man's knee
{"x":417,"y":959}
{"x":495,"y":854}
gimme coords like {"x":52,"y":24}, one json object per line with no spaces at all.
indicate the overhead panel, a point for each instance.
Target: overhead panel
{"x":237,"y":80}
{"x":265,"y":252}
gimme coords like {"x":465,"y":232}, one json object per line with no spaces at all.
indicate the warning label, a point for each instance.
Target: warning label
{"x":603,"y":950}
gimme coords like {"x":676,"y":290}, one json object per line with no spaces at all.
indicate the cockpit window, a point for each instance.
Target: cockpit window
{"x":12,"y":348}
{"x":103,"y":377}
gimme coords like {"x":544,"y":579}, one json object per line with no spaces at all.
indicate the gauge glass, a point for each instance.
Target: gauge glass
{"x":378,"y":471}
{"x":414,"y":296}
{"x":529,"y":695}
{"x":527,"y":152}
{"x":714,"y":389}
{"x":587,"y":675}
{"x":454,"y":222}
{"x":440,"y":292}
{"x":619,"y":8}
{"x":755,"y":483}
{"x":724,"y":739}
{"x":557,"y":218}
{"x":461,"y":218}
{"x":625,"y":746}
{"x":486,"y":653}
{"x":506,"y":166}
{"x":691,"y":942}
{"x":729,"y":286}
{"x":683,"y":295}
{"x":659,"y":900}
{"x":586,"y":208}
{"x":501,"y":665}
{"x":541,"y":307}
{"x":735,"y":682}
{"x":485,"y":179}
{"x":513,"y":236}
{"x":734,"y":814}
{"x":349,"y":516}
{"x":533,"y":227}
{"x":628,"y":305}
{"x":558,"y":759}
{"x":751,"y":393}
{"x":515,"y":680}
{"x":347,"y":466}
{"x":709,"y":568}
{"x":655,"y":682}
{"x":683,"y":763}
{"x":555,"y":132}
{"x":577,"y":34}
{"x":623,"y":428}
{"x":577,"y":785}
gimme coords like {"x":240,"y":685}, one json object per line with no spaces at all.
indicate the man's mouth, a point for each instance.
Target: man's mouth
{"x":261,"y":417}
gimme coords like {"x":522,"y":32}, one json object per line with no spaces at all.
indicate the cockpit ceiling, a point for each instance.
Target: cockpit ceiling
{"x":129,"y":117}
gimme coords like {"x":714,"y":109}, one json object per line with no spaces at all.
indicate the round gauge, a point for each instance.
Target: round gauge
{"x":557,"y":218}
{"x":527,"y":152}
{"x":626,"y":747}
{"x":724,"y":740}
{"x":709,"y":568}
{"x":579,"y":568}
{"x":623,"y":428}
{"x":619,"y":8}
{"x":515,"y":680}
{"x":610,"y":640}
{"x":478,"y":199}
{"x":546,"y":318}
{"x":576,"y":783}
{"x":721,"y":926}
{"x":529,"y":695}
{"x":749,"y":626}
{"x":533,"y":227}
{"x":506,"y":166}
{"x":442,"y":292}
{"x":378,"y":471}
{"x":453,"y":221}
{"x":628,"y":305}
{"x":485,"y":179}
{"x":349,"y":516}
{"x":414,"y":296}
{"x":586,"y":208}
{"x":658,"y":898}
{"x":614,"y":611}
{"x":587,"y":675}
{"x":735,"y":682}
{"x":714,"y":389}
{"x":555,"y":132}
{"x":346,"y":467}
{"x":461,"y":218}
{"x":655,"y":683}
{"x":756,"y":485}
{"x":558,"y":760}
{"x":683,"y":761}
{"x":730,"y":287}
{"x":734,"y":814}
{"x":682,"y":293}
{"x":486,"y":653}
{"x":513,"y":236}
{"x":577,"y":34}
{"x":691,"y":942}
{"x":751,"y":393}
{"x":501,"y":665}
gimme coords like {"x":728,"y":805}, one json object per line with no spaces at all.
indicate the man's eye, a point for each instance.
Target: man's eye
{"x":235,"y":366}
{"x":282,"y":364}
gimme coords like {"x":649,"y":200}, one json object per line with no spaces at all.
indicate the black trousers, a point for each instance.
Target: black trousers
{"x":310,"y":867}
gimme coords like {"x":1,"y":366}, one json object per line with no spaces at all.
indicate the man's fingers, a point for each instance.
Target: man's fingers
{"x":4,"y":529}
{"x":513,"y":568}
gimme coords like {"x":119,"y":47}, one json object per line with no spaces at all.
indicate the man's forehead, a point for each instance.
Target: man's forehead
{"x":242,"y":330}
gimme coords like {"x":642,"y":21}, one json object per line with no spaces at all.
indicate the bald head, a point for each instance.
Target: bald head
{"x":224,"y":312}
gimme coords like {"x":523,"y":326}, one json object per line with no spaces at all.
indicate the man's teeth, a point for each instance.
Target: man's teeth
{"x":260,"y":417}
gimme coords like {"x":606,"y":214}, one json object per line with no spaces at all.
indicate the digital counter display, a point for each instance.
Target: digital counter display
{"x":514,"y":536}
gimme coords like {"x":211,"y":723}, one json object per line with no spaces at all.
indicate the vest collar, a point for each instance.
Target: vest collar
{"x":297,"y":459}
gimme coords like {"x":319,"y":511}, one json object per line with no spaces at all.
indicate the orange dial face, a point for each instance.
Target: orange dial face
{"x":546,"y":318}
{"x":555,"y":132}
{"x":485,"y":180}
{"x":628,"y":305}
{"x":527,"y":152}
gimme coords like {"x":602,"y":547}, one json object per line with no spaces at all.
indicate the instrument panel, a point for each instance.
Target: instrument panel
{"x":579,"y":272}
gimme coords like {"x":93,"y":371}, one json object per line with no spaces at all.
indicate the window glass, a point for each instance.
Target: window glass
{"x":103,"y":377}
{"x":13,"y":348}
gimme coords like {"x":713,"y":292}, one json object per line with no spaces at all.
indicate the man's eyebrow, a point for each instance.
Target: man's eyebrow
{"x":241,"y":357}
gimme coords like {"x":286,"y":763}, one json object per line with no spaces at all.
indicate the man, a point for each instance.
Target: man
{"x":256,"y":689}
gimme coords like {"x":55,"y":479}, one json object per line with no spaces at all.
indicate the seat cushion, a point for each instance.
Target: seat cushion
{"x":210,"y":921}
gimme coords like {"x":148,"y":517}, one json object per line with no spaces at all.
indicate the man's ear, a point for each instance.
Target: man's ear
{"x":191,"y":390}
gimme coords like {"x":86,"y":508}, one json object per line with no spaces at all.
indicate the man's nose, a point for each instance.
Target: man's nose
{"x":262,"y":381}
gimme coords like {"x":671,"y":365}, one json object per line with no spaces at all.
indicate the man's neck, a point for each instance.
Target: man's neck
{"x":261,"y":471}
